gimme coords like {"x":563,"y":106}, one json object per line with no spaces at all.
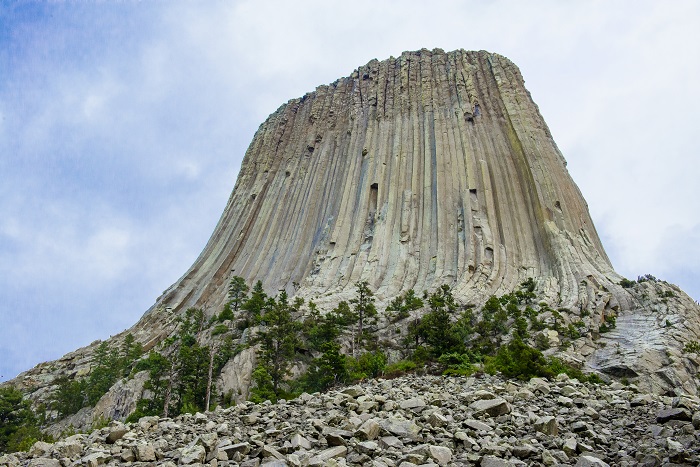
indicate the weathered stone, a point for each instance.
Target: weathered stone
{"x":270,"y":451}
{"x":144,"y":453}
{"x":326,"y":455}
{"x":274,"y":463}
{"x":440,"y":454}
{"x":44,"y":462}
{"x":337,"y":437}
{"x":400,"y":428}
{"x":193,"y":455}
{"x":492,"y":407}
{"x":477,"y":425}
{"x":127,"y":455}
{"x":116,"y":433}
{"x":570,"y":446}
{"x":493,"y":461}
{"x":299,"y":441}
{"x":673,"y":414}
{"x":68,"y":449}
{"x":369,"y":430}
{"x":436,"y":419}
{"x":367,"y":447}
{"x":386,"y":442}
{"x":524,"y":451}
{"x":40,"y":449}
{"x":590,"y":461}
{"x":415,"y":403}
{"x":95,"y":459}
{"x":209,"y":441}
{"x":547,"y":425}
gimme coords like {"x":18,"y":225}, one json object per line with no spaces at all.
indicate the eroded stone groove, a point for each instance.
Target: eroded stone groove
{"x":420,"y":170}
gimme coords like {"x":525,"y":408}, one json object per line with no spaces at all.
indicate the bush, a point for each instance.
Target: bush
{"x":518,"y":360}
{"x":421,"y":355}
{"x":399,"y":368}
{"x":219,"y":329}
{"x":557,"y":366}
{"x":367,"y":365}
{"x":456,"y":364}
{"x":626,"y":283}
{"x":692,"y":347}
{"x":226,"y":314}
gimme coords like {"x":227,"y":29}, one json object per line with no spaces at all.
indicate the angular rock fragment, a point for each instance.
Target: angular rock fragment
{"x":492,"y":407}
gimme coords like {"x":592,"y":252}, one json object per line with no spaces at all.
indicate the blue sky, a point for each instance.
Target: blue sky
{"x":123,"y":125}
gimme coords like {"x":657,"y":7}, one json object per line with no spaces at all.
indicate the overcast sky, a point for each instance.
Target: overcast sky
{"x":123,"y":126}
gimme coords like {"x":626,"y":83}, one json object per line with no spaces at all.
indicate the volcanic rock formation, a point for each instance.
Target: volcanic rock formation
{"x":427,"y":169}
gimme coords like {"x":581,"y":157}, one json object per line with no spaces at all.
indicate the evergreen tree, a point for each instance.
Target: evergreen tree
{"x":255,"y":305}
{"x":438,"y":328}
{"x":18,"y":424}
{"x":106,"y":370}
{"x":278,"y":340}
{"x":364,"y":311}
{"x":404,"y":304}
{"x":159,"y":368}
{"x":131,"y":351}
{"x":328,"y":370}
{"x":226,"y":313}
{"x":70,"y":396}
{"x":237,"y":292}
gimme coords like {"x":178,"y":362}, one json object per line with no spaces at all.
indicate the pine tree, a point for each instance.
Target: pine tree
{"x":237,"y":292}
{"x":440,"y":335}
{"x":255,"y":304}
{"x":364,"y":312}
{"x":278,"y":340}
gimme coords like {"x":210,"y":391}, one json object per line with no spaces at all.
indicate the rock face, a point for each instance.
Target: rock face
{"x":602,"y":426}
{"x":420,"y":170}
{"x":427,"y":169}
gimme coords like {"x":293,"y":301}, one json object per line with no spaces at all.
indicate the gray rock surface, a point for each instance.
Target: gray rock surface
{"x":296,"y":432}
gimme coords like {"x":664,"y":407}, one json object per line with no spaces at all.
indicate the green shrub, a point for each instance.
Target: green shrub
{"x":399,"y":368}
{"x":226,"y":314}
{"x":557,"y":366}
{"x":518,"y":360}
{"x":421,"y":355}
{"x":542,"y":342}
{"x":367,"y":365}
{"x":219,"y":329}
{"x":692,"y":347}
{"x":456,"y":364}
{"x":626,"y":283}
{"x":572,"y":332}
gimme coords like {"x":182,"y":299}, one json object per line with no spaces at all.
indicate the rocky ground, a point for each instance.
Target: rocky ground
{"x":412,"y":420}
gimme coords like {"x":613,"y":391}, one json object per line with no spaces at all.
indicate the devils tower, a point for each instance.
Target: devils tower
{"x":416,"y":171}
{"x":427,"y":169}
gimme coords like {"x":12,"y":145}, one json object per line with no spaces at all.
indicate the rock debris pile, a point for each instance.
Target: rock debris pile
{"x":407,"y":421}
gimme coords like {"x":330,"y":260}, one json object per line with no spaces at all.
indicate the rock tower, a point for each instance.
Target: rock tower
{"x":420,"y":170}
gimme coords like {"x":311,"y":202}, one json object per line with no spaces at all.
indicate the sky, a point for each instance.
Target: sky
{"x":123,"y":126}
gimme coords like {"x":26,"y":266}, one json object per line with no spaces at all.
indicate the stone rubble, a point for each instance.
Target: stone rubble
{"x":409,"y":421}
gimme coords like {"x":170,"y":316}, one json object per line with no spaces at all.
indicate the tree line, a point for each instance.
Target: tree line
{"x":429,"y":331}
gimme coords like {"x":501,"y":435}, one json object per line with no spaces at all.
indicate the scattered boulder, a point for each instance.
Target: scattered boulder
{"x":464,"y":421}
